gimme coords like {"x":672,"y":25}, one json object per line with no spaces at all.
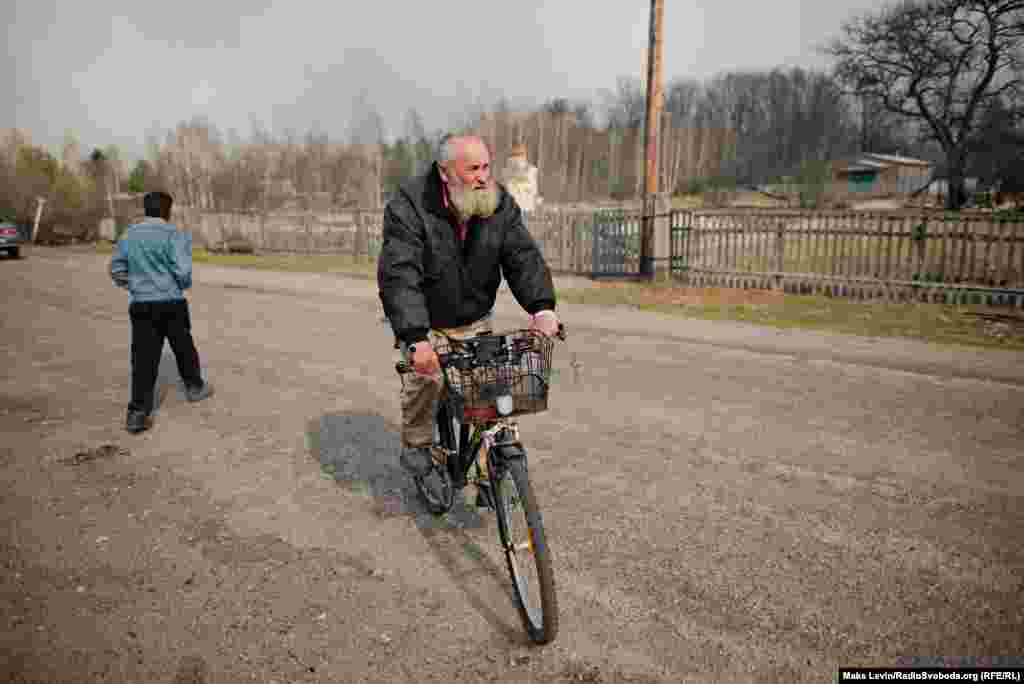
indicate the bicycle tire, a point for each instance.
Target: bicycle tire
{"x":538,"y":607}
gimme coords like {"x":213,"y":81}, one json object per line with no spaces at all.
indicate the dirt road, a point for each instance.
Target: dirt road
{"x":726,"y":503}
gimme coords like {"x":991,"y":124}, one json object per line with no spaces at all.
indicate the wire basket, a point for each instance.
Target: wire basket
{"x":481,"y":369}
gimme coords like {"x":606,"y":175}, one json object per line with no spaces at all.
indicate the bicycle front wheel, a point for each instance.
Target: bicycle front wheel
{"x":529,"y":559}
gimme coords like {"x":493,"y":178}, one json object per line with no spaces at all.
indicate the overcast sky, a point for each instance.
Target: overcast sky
{"x":115,"y":70}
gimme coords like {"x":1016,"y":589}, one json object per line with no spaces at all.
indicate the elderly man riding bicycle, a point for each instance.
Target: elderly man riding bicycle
{"x":450,"y":236}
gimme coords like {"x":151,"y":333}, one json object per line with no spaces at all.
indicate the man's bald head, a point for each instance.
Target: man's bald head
{"x":465,"y":167}
{"x":455,"y":147}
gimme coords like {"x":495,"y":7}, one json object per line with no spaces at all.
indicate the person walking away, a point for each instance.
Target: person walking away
{"x":153,"y":261}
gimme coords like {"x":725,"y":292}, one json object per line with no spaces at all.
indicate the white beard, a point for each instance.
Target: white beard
{"x":470,"y":202}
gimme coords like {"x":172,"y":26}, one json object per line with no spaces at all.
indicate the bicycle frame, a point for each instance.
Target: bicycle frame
{"x":477,"y":443}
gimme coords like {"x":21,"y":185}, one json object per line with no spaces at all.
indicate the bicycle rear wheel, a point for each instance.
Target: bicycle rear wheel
{"x":521,"y":530}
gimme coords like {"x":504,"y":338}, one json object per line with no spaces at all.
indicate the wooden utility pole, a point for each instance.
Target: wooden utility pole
{"x":654,"y":103}
{"x":40,"y":201}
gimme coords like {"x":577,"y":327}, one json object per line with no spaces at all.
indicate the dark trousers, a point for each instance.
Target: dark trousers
{"x":152,"y":323}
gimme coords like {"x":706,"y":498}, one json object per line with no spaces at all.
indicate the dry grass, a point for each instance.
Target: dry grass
{"x":964,"y":325}
{"x":748,"y":198}
{"x":293,"y":263}
{"x":687,"y":202}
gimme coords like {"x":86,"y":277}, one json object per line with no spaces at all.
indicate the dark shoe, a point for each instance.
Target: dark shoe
{"x":137,"y":421}
{"x":417,"y":461}
{"x":204,"y":391}
{"x":434,"y":485}
{"x":462,"y":513}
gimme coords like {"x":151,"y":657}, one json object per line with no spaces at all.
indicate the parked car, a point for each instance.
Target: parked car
{"x":10,"y":239}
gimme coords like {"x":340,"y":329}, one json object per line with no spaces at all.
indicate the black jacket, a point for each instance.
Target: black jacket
{"x":427,"y":279}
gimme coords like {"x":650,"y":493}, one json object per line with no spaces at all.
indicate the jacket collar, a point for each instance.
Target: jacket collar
{"x":433,"y":194}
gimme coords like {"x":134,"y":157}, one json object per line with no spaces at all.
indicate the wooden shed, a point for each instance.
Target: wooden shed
{"x":881,"y":174}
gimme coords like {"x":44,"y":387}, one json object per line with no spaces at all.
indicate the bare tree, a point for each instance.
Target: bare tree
{"x":317,"y":149}
{"x":366,"y":135}
{"x":558,"y":105}
{"x":678,"y":127}
{"x":115,"y":166}
{"x":188,"y":161}
{"x":584,"y":114}
{"x":71,"y":152}
{"x":239,"y":182}
{"x":997,"y":149}
{"x":625,"y":109}
{"x":941,"y":63}
{"x":415,"y":133}
{"x":755,"y":126}
{"x":625,"y":106}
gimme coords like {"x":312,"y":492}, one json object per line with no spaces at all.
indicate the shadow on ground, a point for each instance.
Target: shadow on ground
{"x":168,"y":380}
{"x":360,"y":452}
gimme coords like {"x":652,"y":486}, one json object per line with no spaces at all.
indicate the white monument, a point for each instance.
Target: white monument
{"x":520,"y":178}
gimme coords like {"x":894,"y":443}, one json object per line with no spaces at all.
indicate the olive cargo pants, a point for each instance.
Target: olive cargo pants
{"x":420,"y":393}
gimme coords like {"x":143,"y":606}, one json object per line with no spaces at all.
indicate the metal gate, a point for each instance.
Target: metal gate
{"x":680,"y":244}
{"x":616,"y":235}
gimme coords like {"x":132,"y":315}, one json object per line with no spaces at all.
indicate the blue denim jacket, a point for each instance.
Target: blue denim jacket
{"x":153,"y":261}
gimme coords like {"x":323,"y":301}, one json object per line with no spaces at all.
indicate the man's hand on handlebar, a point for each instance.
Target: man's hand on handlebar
{"x":424,"y":359}
{"x":545,"y":322}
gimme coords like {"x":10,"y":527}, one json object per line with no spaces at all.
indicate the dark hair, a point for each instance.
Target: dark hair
{"x":157,"y":204}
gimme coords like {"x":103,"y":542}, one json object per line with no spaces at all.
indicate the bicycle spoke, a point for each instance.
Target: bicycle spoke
{"x":527,"y":554}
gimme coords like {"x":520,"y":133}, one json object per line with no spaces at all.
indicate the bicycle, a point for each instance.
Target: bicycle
{"x":489,"y":380}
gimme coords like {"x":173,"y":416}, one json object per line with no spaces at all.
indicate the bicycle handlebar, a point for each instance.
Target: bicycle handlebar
{"x":403,"y":367}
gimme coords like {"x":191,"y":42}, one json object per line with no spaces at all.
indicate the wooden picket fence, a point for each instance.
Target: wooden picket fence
{"x":920,"y":255}
{"x":931,"y":257}
{"x":564,"y":236}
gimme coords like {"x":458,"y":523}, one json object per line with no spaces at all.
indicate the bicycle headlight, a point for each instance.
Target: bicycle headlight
{"x":505,"y":405}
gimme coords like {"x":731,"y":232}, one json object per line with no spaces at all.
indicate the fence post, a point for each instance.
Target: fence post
{"x":662,"y":243}
{"x":919,"y":235}
{"x":360,"y":240}
{"x":561,"y":222}
{"x":780,"y":252}
{"x":263,"y":231}
{"x":580,"y":247}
